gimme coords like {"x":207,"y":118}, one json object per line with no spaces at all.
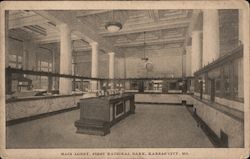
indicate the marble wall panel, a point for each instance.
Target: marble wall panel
{"x":158,"y":98}
{"x":28,"y":108}
{"x":218,"y":121}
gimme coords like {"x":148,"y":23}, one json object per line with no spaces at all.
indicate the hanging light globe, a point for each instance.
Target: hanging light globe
{"x":113,"y":27}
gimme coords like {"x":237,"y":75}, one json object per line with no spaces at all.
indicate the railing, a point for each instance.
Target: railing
{"x":32,"y":77}
{"x":223,"y":78}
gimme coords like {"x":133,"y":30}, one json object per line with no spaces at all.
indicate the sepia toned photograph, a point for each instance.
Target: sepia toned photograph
{"x":113,"y":81}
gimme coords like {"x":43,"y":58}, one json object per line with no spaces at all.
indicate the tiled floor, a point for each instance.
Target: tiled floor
{"x":153,"y":126}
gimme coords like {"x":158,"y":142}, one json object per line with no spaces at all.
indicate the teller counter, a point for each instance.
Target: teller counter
{"x":27,"y":108}
{"x":98,"y":114}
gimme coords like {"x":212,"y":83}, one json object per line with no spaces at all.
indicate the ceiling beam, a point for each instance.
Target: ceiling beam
{"x":153,"y":42}
{"x":52,"y":38}
{"x":19,"y":34}
{"x":36,"y":30}
{"x":151,"y":27}
{"x":84,"y":14}
{"x":47,"y":40}
{"x":26,"y":21}
{"x":82,"y":48}
{"x":88,"y":34}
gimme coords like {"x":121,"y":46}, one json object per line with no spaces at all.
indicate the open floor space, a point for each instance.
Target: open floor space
{"x":153,"y":126}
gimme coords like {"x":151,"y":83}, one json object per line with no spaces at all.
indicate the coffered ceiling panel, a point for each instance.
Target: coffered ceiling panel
{"x":173,"y":14}
{"x":153,"y":29}
{"x":33,"y":25}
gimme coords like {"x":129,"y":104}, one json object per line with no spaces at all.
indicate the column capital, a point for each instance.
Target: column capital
{"x":63,"y":26}
{"x":93,"y":44}
{"x":111,"y":53}
{"x":64,"y":29}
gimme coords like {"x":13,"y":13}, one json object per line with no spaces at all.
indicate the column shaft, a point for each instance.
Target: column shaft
{"x":111,"y":65}
{"x":25,"y":60}
{"x":211,"y":41}
{"x":112,"y":68}
{"x":94,"y":58}
{"x":94,"y":65}
{"x":65,"y":86}
{"x":53,"y":69}
{"x":6,"y":38}
{"x":241,"y":25}
{"x":196,"y":51}
{"x":188,"y":61}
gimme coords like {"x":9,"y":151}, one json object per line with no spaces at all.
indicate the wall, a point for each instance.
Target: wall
{"x":84,"y":65}
{"x":166,"y":62}
{"x":83,"y":61}
{"x":229,"y":26}
{"x":33,"y":52}
{"x":16,"y":47}
{"x":120,"y":63}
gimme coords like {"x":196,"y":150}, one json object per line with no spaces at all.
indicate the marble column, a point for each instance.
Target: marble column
{"x":8,"y":76}
{"x":53,"y":68}
{"x":25,"y":60}
{"x":65,"y":85}
{"x":240,"y":63}
{"x":112,"y":67}
{"x":241,"y":26}
{"x":196,"y":52}
{"x":211,"y":41}
{"x":188,"y":61}
{"x":6,"y":38}
{"x":94,"y":65}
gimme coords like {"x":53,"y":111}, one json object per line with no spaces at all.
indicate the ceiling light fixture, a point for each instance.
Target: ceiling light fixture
{"x":148,"y":64}
{"x":113,"y":26}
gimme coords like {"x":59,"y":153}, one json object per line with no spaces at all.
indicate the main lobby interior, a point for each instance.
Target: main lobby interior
{"x":124,"y":78}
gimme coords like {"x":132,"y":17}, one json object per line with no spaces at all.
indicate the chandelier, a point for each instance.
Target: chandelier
{"x":148,"y":64}
{"x":113,"y":26}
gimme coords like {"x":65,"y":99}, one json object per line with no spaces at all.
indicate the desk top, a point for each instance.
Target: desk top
{"x":110,"y":97}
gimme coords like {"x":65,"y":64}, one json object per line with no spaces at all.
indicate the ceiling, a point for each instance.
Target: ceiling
{"x":155,"y":29}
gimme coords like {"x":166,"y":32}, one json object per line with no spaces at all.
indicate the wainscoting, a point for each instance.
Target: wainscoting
{"x":221,"y":119}
{"x":19,"y":109}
